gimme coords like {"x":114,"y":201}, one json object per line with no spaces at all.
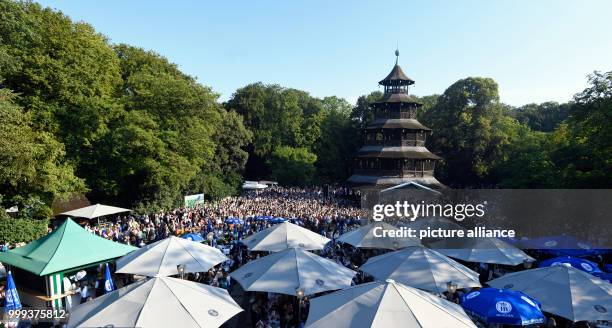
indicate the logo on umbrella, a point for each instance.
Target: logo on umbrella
{"x":530,"y":302}
{"x":248,"y":274}
{"x":586,"y":266}
{"x":301,"y":244}
{"x":600,"y":309}
{"x":508,"y":286}
{"x":108,"y":285}
{"x":213,"y":313}
{"x":472,"y":295}
{"x":503,"y":307}
{"x":550,"y":243}
{"x":584,"y":246}
{"x":320,"y":282}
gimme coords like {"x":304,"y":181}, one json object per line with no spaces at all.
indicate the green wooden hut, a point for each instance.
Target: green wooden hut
{"x":43,"y":263}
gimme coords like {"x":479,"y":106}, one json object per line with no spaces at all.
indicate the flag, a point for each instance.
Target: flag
{"x":11,"y":300}
{"x":108,"y":281}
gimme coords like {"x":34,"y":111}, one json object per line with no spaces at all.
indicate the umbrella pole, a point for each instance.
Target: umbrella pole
{"x":299,"y":312}
{"x":299,"y":294}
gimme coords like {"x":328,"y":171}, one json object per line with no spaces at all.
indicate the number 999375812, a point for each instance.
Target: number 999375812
{"x":36,"y":314}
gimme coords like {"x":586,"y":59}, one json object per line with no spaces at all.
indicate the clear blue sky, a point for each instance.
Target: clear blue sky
{"x":536,"y":50}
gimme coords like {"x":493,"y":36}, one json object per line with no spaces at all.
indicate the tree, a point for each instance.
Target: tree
{"x":223,"y":176}
{"x":13,"y":231}
{"x":470,"y":131}
{"x":32,"y":163}
{"x":543,"y":117}
{"x":162,"y":141}
{"x":428,"y":102}
{"x":65,"y":72}
{"x":527,"y":163}
{"x":292,"y":166}
{"x":276,"y":117}
{"x":362,"y":113}
{"x":584,"y":152}
{"x":340,"y":138}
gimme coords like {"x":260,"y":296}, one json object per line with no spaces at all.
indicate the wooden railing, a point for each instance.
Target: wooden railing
{"x":394,"y":173}
{"x":395,"y":143}
{"x":393,"y":115}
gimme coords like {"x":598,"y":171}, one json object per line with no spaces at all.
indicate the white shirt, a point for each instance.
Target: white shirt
{"x":84,"y":291}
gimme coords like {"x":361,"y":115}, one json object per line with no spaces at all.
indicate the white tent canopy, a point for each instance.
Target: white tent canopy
{"x":95,"y":211}
{"x":285,"y":235}
{"x":422,"y":268}
{"x":364,"y":237}
{"x":483,"y":250}
{"x":157,"y":302}
{"x":564,"y":291}
{"x":385,"y":305}
{"x":162,"y":258}
{"x":286,"y":271}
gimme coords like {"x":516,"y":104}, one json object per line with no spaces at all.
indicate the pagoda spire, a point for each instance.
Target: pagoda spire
{"x":396,"y":54}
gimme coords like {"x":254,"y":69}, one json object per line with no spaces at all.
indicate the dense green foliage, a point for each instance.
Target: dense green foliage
{"x":292,"y":166}
{"x":488,"y":144}
{"x":126,"y":126}
{"x":583,"y":150}
{"x":33,"y":162}
{"x":14,"y":231}
{"x":277,"y":117}
{"x":134,"y":129}
{"x":340,"y":138}
{"x":470,"y":131}
{"x":542,"y":117}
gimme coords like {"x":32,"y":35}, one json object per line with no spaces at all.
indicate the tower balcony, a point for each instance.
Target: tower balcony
{"x":395,"y":143}
{"x":402,"y":114}
{"x":400,"y":173}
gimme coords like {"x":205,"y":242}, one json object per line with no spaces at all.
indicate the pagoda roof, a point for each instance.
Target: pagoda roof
{"x":394,"y":123}
{"x":410,"y":152}
{"x":68,"y":247}
{"x":381,"y":182}
{"x":396,"y":76}
{"x":397,"y":98}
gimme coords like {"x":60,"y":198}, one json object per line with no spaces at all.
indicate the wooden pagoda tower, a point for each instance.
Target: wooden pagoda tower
{"x":394,"y":149}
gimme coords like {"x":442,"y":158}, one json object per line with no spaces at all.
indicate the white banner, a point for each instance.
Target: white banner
{"x":193,"y":200}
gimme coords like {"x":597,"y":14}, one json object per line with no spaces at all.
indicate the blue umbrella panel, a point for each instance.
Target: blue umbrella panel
{"x":578,"y":263}
{"x":503,"y":306}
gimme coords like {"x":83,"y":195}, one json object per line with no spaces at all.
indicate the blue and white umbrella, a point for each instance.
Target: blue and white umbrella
{"x":234,"y":221}
{"x":193,"y":237}
{"x":562,"y":245}
{"x":276,"y":220}
{"x":603,"y":276}
{"x":503,"y":306}
{"x":109,"y":286}
{"x":11,"y":300}
{"x":578,"y":263}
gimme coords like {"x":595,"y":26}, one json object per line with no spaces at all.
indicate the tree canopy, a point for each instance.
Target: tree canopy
{"x":120,"y":122}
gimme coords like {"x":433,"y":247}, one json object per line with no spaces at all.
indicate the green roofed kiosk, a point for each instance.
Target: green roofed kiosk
{"x":67,"y":249}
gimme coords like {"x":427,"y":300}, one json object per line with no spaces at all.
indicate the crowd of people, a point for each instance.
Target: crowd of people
{"x":328,"y":213}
